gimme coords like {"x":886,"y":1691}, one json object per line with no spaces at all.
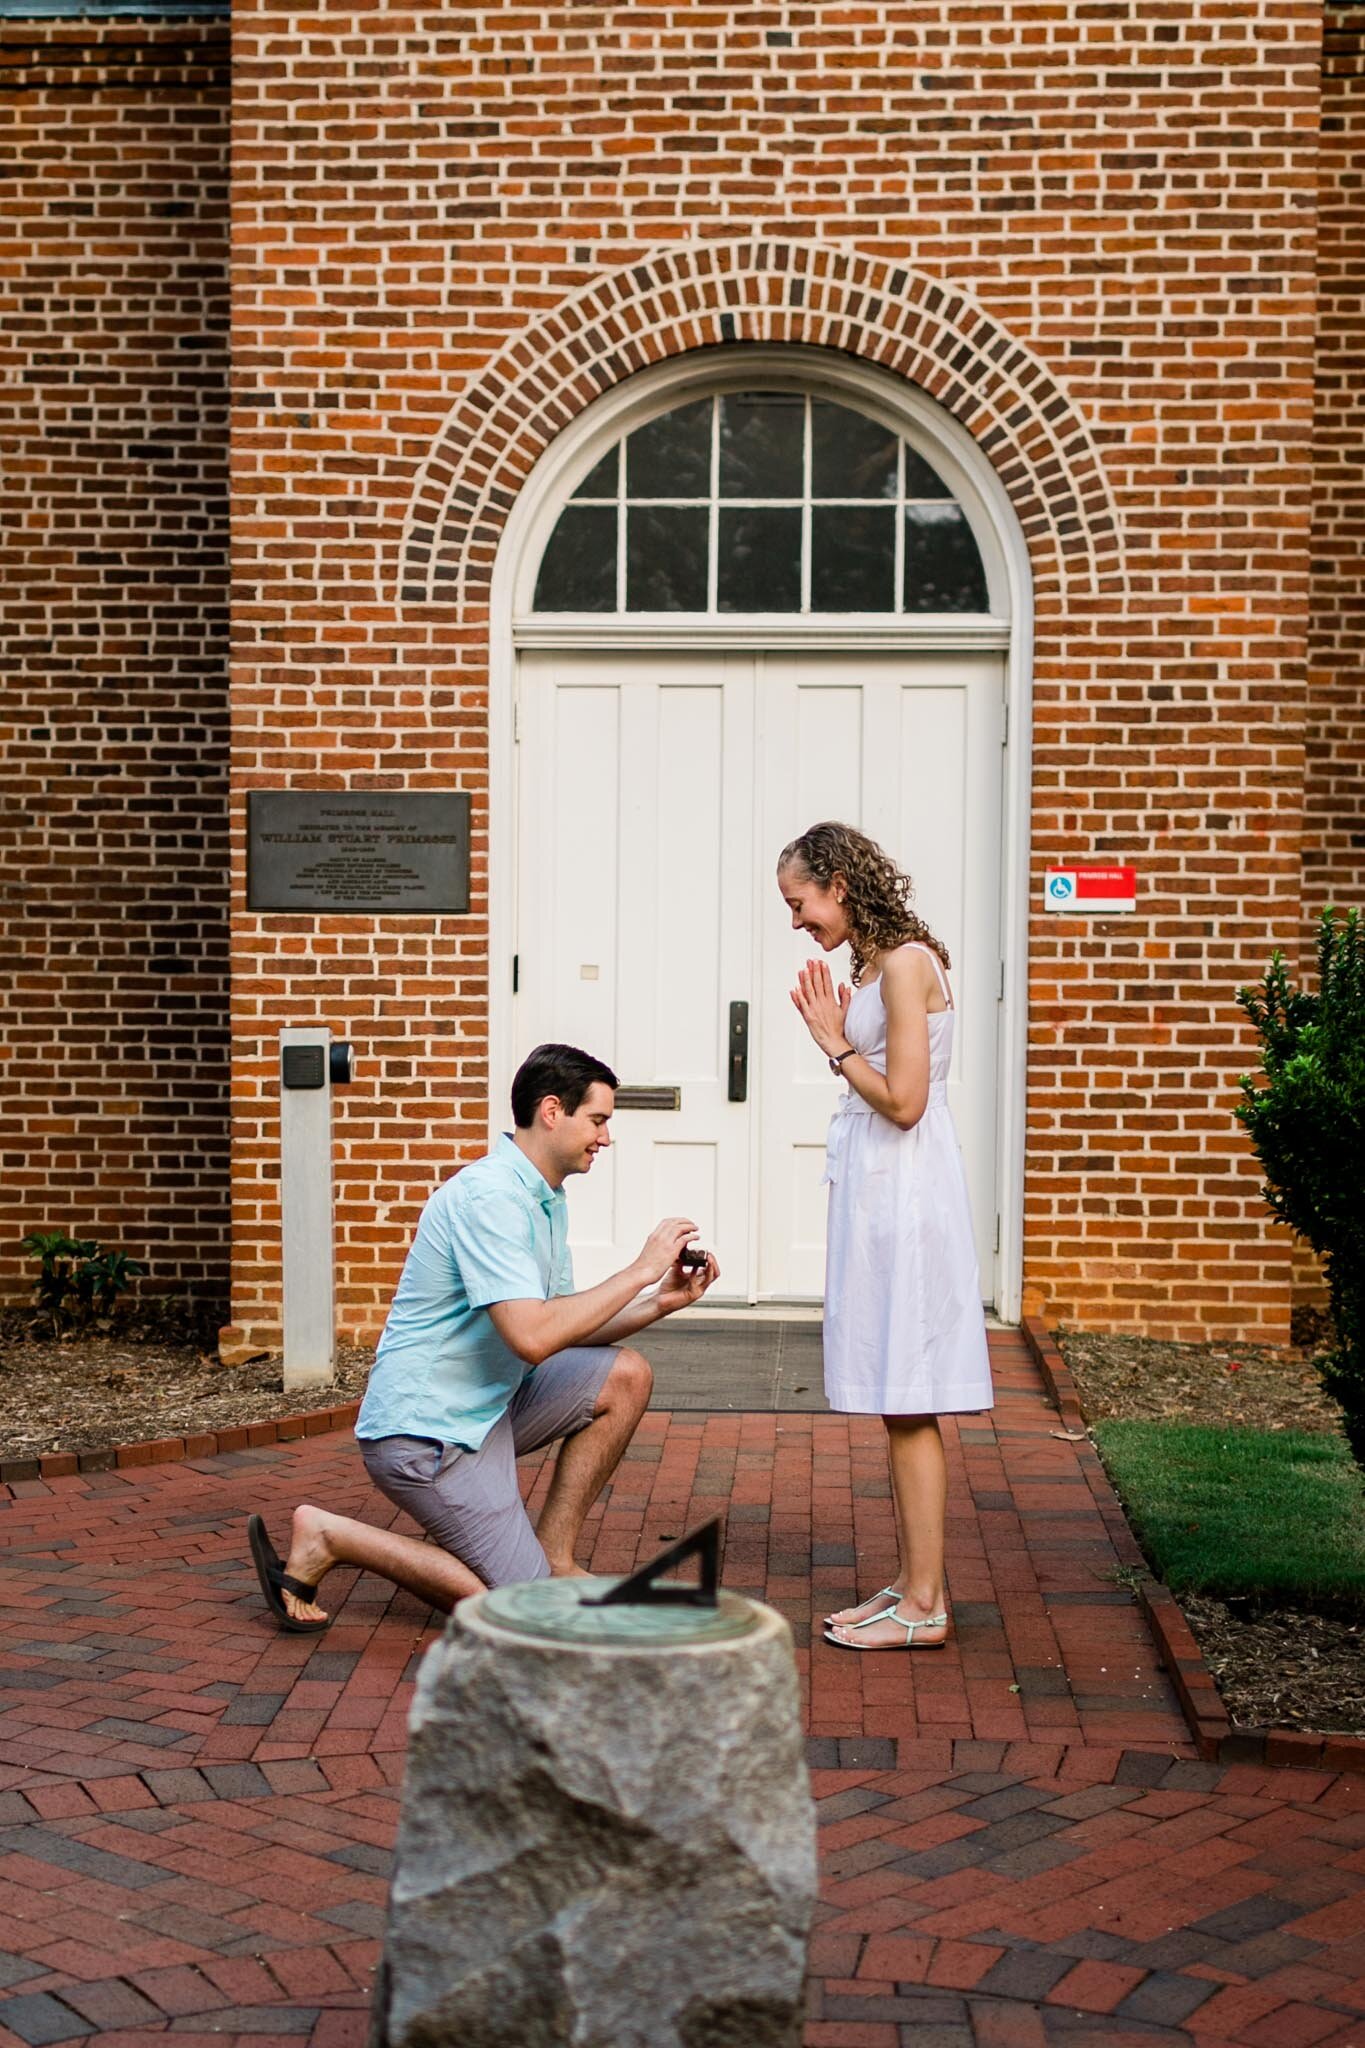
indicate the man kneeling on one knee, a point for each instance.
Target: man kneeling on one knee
{"x":487,"y":1354}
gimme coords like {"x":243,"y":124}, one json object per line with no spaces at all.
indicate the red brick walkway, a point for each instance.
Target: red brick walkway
{"x":1019,"y":1848}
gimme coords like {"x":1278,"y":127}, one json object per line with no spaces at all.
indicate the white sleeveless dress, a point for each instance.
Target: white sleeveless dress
{"x":904,"y":1328}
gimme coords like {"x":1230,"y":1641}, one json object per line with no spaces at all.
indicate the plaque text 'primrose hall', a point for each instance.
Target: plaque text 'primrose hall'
{"x":341,"y":850}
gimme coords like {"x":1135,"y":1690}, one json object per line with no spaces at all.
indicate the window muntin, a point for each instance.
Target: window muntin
{"x":762,"y":501}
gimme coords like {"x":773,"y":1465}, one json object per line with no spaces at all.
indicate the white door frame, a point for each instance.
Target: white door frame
{"x":1009,"y":627}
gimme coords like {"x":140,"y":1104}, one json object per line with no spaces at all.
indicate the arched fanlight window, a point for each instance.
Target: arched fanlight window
{"x":762,"y":501}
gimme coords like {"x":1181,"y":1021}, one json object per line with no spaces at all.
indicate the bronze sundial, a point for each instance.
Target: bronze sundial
{"x":637,"y":1612}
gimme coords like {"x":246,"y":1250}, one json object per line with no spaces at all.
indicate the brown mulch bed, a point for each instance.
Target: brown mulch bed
{"x":91,"y":1393}
{"x":1238,"y":1386}
{"x":1281,"y":1669}
{"x":1278,"y":1667}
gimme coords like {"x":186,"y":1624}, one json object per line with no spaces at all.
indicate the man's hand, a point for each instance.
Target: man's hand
{"x":686,"y":1284}
{"x":661,"y":1248}
{"x":614,"y":1309}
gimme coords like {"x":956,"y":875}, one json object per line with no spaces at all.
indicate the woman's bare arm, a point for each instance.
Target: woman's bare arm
{"x":907,"y":983}
{"x":903,"y":1093}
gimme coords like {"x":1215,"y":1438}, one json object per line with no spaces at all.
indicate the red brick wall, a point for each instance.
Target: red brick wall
{"x":113,"y":589}
{"x":1127,"y":192}
{"x":1334,"y":797}
{"x":1334,"y":781}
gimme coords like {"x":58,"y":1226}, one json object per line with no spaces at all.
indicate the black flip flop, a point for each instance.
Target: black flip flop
{"x":275,"y":1581}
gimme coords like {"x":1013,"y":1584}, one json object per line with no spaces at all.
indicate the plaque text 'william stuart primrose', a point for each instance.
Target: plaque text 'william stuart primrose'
{"x":387,"y":852}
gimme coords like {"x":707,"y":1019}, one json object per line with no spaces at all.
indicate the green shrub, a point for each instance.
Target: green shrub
{"x":78,"y":1281}
{"x":1305,"y":1116}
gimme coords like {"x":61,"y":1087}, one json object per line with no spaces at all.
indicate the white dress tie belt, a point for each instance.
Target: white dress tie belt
{"x":852,"y":1105}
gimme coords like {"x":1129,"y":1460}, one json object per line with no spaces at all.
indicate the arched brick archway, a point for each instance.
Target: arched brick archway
{"x":930,"y":333}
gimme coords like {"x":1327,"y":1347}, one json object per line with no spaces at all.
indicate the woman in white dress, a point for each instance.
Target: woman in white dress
{"x":904,"y":1333}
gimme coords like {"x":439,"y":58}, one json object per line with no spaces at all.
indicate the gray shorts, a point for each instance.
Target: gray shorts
{"x":469,"y":1501}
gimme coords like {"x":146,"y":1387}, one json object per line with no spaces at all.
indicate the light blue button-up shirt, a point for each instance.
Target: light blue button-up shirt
{"x":496,"y":1232}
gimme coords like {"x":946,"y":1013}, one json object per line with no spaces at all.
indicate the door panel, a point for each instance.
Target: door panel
{"x":634,"y":935}
{"x":567,"y":935}
{"x":908,"y":751}
{"x":812,"y":749}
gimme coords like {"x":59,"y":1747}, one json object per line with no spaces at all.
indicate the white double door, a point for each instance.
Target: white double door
{"x":655,"y":792}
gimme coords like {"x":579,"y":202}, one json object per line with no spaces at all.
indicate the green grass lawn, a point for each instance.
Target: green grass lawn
{"x":1244,"y":1513}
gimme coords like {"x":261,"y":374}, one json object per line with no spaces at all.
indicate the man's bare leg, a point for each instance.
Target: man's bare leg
{"x":320,"y":1541}
{"x":586,"y":1461}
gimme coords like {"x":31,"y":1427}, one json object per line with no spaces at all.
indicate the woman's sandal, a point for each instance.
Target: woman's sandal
{"x":925,"y":1621}
{"x":275,"y":1581}
{"x":888,"y":1593}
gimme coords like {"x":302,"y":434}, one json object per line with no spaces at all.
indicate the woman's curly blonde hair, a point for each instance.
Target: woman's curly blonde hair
{"x":877,"y":902}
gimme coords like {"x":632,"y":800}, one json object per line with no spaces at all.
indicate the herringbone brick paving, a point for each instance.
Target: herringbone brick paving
{"x":1018,"y":1845}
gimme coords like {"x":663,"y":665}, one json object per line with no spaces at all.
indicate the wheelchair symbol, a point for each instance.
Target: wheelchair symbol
{"x":1061,"y":888}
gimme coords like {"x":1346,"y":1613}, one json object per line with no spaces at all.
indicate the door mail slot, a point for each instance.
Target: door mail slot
{"x":649,"y":1098}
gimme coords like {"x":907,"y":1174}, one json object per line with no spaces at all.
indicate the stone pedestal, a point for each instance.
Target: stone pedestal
{"x":604,"y":1844}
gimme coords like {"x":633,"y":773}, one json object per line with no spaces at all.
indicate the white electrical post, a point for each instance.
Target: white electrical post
{"x":306,"y":1206}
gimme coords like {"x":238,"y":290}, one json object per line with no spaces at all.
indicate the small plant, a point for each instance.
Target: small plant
{"x":78,"y":1280}
{"x":102,"y":1278}
{"x":56,"y":1279}
{"x":1305,"y":1116}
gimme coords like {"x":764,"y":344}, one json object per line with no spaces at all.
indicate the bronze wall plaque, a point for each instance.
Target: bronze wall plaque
{"x":386,"y":852}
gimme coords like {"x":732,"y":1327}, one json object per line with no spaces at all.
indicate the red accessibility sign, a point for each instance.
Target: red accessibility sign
{"x":1088,"y":890}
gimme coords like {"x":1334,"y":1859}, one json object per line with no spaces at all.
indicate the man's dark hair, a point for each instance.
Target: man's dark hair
{"x":560,"y":1070}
